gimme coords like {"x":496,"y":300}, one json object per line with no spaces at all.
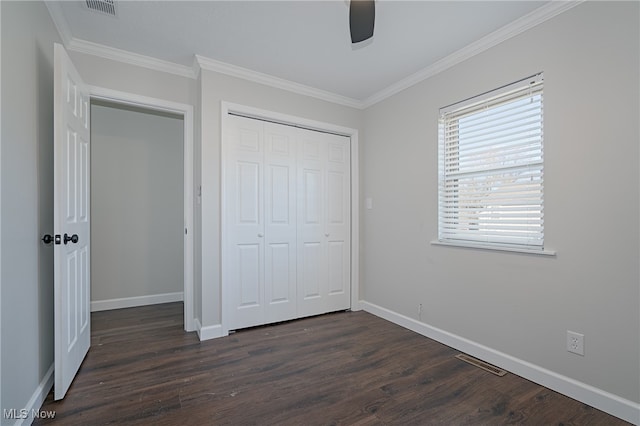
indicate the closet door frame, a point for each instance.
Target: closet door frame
{"x":227,"y":109}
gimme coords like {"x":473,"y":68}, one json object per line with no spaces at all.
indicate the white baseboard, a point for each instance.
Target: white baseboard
{"x":598,"y":398}
{"x":36,"y":400}
{"x":130,"y":302}
{"x":208,"y":332}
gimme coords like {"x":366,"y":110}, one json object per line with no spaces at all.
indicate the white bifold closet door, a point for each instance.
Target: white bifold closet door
{"x":287,"y":222}
{"x":323,"y":188}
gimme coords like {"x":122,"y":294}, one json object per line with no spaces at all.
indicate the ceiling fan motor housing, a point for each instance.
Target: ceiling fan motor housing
{"x":362,"y":15}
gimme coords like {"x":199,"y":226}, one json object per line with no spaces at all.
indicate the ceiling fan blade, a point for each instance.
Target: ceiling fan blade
{"x":362,"y":15}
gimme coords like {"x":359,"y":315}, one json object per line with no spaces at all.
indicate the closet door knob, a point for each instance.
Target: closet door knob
{"x":326,"y":234}
{"x":260,"y":235}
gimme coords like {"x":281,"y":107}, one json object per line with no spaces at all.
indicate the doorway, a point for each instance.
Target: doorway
{"x":162,"y":109}
{"x":136,"y":206}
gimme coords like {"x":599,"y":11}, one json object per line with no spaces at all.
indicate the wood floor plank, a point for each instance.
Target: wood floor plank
{"x":348,"y":368}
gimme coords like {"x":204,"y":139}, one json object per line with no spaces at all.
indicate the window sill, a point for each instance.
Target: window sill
{"x":543,"y":252}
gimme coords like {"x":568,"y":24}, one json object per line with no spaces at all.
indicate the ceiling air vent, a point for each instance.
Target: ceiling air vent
{"x":106,"y":7}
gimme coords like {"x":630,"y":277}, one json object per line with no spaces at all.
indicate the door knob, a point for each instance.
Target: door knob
{"x":326,"y":235}
{"x":73,"y":238}
{"x":260,"y":235}
{"x":48,"y":239}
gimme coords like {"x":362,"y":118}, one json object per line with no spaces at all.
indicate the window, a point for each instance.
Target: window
{"x":491,"y":169}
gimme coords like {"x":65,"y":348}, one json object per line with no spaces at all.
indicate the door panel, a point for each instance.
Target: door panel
{"x":311,"y":272}
{"x":312,"y":191}
{"x":261,"y":210}
{"x":337,"y":284}
{"x":338,"y":225}
{"x":83,"y":182}
{"x":249,"y":280}
{"x":85,"y":294}
{"x":325,"y":210}
{"x":335,"y":199}
{"x":312,"y":275}
{"x":280,"y":222}
{"x":70,"y":172}
{"x":249,"y":180}
{"x":71,"y":218}
{"x":71,"y":286}
{"x":249,"y":137}
{"x":280,"y":195}
{"x":243,"y":254}
{"x":278,"y":273}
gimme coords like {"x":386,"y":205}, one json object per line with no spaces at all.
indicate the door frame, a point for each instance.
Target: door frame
{"x":186,"y":111}
{"x":227,"y":108}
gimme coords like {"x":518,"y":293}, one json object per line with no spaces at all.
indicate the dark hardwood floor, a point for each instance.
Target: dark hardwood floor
{"x":348,"y":368}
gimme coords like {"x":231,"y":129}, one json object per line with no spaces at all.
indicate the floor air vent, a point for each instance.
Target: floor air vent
{"x":481,"y":364}
{"x":106,"y":7}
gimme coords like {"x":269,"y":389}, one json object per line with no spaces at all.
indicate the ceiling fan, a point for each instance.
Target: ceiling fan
{"x":362,"y":15}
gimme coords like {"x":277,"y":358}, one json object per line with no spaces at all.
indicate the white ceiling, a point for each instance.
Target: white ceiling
{"x":305,"y":42}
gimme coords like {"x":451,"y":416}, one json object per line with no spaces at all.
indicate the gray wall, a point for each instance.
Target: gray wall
{"x":136,"y":202}
{"x":26,"y":171}
{"x":522,"y":305}
{"x":123,"y":77}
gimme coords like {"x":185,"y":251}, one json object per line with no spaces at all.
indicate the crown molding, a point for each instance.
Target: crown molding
{"x":208,"y":64}
{"x":88,"y":47}
{"x":60,"y":22}
{"x":538,"y":16}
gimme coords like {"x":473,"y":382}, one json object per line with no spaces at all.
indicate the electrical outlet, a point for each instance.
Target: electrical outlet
{"x":575,"y":342}
{"x":420,"y":311}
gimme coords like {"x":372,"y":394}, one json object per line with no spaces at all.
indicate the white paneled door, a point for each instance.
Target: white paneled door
{"x":244,"y":254}
{"x":261,"y":229}
{"x":287,"y":222}
{"x":71,"y":221}
{"x":280,"y":222}
{"x":324,"y":229}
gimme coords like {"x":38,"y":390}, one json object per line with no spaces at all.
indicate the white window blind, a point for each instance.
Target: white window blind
{"x":491,"y":168}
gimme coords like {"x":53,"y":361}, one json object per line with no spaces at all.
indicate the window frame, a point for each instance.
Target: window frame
{"x":454,"y":231}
